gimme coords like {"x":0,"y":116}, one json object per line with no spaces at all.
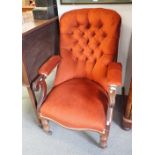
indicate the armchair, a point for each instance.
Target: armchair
{"x":83,"y":95}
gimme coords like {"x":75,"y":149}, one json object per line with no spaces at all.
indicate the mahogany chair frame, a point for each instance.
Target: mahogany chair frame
{"x":40,"y":83}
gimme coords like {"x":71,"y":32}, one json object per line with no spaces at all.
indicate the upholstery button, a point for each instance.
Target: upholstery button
{"x":98,"y":44}
{"x":82,"y":33}
{"x":95,"y":61}
{"x":81,"y":51}
{"x":76,"y":58}
{"x":88,"y":26}
{"x":100,"y":25}
{"x":87,"y":41}
{"x":93,"y":34}
{"x":76,"y":41}
{"x":92,"y":52}
{"x":77,"y":24}
{"x":104,"y":34}
{"x":70,"y":33}
{"x":101,"y":54}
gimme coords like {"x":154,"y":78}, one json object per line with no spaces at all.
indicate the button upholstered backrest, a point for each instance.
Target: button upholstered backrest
{"x":88,"y":43}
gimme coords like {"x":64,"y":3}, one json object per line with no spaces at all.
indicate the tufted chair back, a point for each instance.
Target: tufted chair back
{"x":88,"y":43}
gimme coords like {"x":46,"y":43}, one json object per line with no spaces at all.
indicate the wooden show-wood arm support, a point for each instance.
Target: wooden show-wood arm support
{"x":40,"y":82}
{"x":48,"y":66}
{"x":114,"y":79}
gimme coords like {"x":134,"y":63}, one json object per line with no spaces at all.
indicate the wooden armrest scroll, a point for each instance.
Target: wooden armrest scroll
{"x":49,"y":65}
{"x":112,"y":94}
{"x":40,"y":83}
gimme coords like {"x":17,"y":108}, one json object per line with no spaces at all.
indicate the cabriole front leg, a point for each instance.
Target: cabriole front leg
{"x":41,"y":83}
{"x":112,"y":98}
{"x":45,"y":125}
{"x":103,"y":140}
{"x":105,"y":135}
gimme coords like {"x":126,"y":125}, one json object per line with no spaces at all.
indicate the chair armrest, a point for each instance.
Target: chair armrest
{"x":114,"y":74}
{"x":40,"y":83}
{"x":114,"y":79}
{"x":49,"y":65}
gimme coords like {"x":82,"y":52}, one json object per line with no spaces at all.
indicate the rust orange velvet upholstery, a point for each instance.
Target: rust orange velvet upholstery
{"x":78,"y":104}
{"x":88,"y":43}
{"x":88,"y":47}
{"x":49,"y":65}
{"x":114,"y":75}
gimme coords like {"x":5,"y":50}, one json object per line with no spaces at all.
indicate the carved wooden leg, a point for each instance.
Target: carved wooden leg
{"x":103,"y":140}
{"x":45,"y":125}
{"x":104,"y":135}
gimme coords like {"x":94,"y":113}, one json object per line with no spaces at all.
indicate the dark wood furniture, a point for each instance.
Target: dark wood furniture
{"x":27,"y":8}
{"x":39,"y":42}
{"x":127,"y":118}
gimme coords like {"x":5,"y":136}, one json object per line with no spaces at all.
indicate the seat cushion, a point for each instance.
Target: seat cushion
{"x":77,"y":104}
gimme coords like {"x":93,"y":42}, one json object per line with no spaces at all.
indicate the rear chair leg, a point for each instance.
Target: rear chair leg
{"x":103,"y":140}
{"x":45,"y":125}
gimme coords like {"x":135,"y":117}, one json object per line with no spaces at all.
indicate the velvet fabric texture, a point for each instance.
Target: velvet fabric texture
{"x":88,"y":43}
{"x":78,"y":104}
{"x":88,"y":48}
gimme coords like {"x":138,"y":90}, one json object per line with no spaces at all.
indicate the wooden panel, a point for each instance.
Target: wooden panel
{"x":38,"y":46}
{"x":27,"y":8}
{"x":30,"y":24}
{"x":40,"y":40}
{"x":25,"y":80}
